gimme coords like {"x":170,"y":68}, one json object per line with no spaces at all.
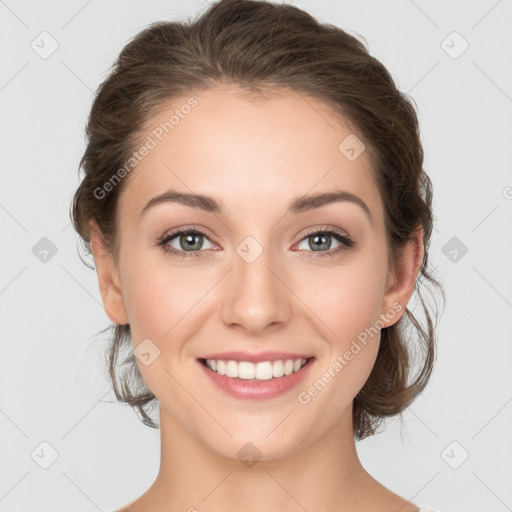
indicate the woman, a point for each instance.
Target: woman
{"x":255,"y":203}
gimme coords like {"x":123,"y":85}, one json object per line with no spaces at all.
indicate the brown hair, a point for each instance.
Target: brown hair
{"x":260,"y":46}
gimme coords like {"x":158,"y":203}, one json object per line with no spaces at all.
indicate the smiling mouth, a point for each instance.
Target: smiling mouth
{"x":262,"y":371}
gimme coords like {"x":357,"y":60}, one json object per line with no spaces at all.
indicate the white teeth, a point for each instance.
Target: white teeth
{"x":245,"y":370}
{"x":278,"y":369}
{"x":264,"y":370}
{"x":221,"y":366}
{"x":232,"y":369}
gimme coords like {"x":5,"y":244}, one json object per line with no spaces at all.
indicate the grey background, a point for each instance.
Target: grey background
{"x":52,"y":389}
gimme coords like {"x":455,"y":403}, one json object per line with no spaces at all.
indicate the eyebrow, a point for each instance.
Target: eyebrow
{"x":299,"y":205}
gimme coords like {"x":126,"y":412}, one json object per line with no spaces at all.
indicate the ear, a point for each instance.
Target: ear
{"x":108,"y":277}
{"x":400,"y":282}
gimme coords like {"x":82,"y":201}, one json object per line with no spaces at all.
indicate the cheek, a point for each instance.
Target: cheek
{"x":157,"y":300}
{"x":347,"y":299}
{"x":347,"y":302}
{"x":160,"y":305}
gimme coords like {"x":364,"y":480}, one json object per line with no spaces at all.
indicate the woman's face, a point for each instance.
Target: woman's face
{"x":258,"y":279}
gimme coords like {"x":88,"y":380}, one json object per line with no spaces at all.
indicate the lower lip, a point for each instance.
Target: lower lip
{"x":257,"y":389}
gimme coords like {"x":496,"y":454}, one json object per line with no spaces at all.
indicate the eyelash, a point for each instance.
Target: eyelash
{"x":346,"y":242}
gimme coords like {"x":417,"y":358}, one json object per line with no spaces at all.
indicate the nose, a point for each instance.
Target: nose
{"x":256,"y":298}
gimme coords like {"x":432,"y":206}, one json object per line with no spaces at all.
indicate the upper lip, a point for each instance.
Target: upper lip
{"x":256,"y":357}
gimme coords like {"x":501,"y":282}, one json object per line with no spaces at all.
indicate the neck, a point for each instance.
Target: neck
{"x":323,"y":475}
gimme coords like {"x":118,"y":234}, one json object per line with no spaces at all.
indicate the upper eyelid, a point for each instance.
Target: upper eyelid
{"x":180,"y":231}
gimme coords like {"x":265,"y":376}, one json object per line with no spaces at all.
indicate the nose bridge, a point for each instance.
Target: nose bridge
{"x":256,"y":296}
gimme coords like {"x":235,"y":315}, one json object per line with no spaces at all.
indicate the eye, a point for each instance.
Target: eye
{"x":322,"y":239}
{"x":187,"y":242}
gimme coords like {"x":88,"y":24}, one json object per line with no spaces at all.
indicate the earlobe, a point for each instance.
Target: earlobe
{"x":108,"y":277}
{"x":401,"y":282}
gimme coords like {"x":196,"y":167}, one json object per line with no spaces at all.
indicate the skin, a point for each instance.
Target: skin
{"x":255,"y":157}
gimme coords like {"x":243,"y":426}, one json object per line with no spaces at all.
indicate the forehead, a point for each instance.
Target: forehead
{"x":253,"y":153}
